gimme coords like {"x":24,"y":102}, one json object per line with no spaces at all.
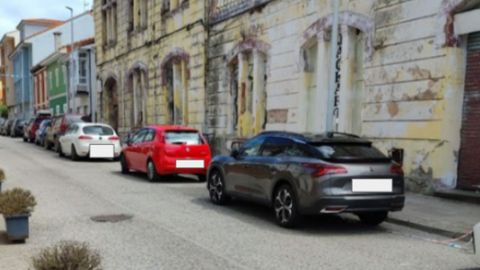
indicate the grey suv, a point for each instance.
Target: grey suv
{"x":299,"y":174}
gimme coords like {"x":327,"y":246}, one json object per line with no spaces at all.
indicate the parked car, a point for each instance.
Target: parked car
{"x":17,"y":128}
{"x":297,"y":175}
{"x":2,"y":121}
{"x":33,"y":126}
{"x":26,"y":129}
{"x":58,"y":127}
{"x":166,"y":150}
{"x":41,"y":132}
{"x":3,"y":126}
{"x":92,"y":140}
{"x":6,"y":127}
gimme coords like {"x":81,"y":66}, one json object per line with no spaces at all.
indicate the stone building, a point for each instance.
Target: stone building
{"x":407,"y":77}
{"x":151,"y":58}
{"x":407,"y":73}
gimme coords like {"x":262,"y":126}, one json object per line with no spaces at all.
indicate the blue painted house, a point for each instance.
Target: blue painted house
{"x":22,"y":63}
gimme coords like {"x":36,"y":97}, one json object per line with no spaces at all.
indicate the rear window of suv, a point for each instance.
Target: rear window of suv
{"x":97,"y":130}
{"x":183,"y":137}
{"x":350,"y":152}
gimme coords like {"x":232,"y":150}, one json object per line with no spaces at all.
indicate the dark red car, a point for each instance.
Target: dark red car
{"x":31,"y":129}
{"x":166,"y":150}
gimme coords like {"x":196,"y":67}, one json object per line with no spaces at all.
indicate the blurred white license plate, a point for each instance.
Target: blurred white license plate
{"x":101,"y":151}
{"x":372,"y":185}
{"x":190,"y":164}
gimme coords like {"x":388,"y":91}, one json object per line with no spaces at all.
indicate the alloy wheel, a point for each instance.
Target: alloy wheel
{"x":284,"y":205}
{"x":216,"y":188}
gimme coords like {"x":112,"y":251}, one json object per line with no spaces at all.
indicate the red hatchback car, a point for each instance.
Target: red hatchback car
{"x":166,"y":150}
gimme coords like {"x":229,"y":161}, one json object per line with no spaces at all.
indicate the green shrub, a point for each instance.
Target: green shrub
{"x":16,"y":201}
{"x":67,"y":255}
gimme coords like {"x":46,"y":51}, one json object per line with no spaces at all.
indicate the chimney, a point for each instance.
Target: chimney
{"x":57,"y":37}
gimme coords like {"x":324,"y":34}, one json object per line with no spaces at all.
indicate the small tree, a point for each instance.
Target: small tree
{"x":67,"y":255}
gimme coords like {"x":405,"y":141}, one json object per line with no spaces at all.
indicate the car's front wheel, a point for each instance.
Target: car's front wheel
{"x":373,"y":218}
{"x":285,"y":206}
{"x":152,"y":174}
{"x":216,"y":188}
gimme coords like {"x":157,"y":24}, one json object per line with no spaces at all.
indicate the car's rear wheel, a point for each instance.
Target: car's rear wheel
{"x":124,"y":165}
{"x":285,"y":206}
{"x":373,"y":218}
{"x":216,"y":188}
{"x":74,"y":154}
{"x":152,"y":174}
{"x":24,"y":139}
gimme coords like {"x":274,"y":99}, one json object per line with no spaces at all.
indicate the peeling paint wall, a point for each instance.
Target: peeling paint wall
{"x":411,"y":89}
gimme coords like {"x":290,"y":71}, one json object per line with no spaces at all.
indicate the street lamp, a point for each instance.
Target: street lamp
{"x":71,"y":61}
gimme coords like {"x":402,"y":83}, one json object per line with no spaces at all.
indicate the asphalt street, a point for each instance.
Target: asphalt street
{"x":174,"y":225}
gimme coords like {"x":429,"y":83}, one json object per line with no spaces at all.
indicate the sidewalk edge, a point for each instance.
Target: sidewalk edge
{"x":428,"y":229}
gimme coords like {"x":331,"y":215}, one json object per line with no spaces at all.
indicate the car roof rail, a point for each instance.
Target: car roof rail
{"x":282,"y":133}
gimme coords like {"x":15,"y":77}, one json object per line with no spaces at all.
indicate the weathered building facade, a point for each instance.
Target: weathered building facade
{"x":406,"y":73}
{"x":406,"y":77}
{"x":151,"y":59}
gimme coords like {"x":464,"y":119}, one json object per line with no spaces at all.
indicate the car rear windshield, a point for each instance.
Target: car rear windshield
{"x":98,"y":130}
{"x":183,"y":137}
{"x":353,"y":152}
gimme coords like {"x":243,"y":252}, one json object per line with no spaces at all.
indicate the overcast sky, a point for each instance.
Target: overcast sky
{"x":12,"y":11}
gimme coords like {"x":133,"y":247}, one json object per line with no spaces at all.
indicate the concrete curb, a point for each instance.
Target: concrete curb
{"x":429,"y":229}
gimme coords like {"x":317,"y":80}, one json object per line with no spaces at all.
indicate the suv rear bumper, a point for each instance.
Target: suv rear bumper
{"x":355,"y":203}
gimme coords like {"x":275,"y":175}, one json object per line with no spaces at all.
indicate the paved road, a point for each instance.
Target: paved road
{"x":174,"y":226}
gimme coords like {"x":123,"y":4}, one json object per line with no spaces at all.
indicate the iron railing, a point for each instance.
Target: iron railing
{"x":223,"y":9}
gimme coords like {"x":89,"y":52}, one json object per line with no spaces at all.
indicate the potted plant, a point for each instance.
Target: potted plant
{"x":67,"y":255}
{"x":16,"y":206}
{"x":2,"y":178}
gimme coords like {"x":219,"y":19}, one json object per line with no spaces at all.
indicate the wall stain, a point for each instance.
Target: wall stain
{"x":393,"y":108}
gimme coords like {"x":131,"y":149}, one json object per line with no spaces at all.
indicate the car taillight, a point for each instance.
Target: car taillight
{"x":113,"y":138}
{"x":324,"y":169}
{"x":84,"y":137}
{"x":396,"y":169}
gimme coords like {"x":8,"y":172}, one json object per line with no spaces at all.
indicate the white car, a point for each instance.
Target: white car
{"x":90,"y":140}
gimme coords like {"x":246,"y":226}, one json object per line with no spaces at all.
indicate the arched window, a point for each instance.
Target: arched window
{"x":247,"y":67}
{"x":137,"y":83}
{"x":355,"y":43}
{"x":175,"y":80}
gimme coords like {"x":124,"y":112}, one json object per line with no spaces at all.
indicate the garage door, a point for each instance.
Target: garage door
{"x":469,"y":155}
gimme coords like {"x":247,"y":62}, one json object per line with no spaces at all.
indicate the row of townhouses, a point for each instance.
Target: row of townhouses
{"x":49,"y":65}
{"x":407,"y":73}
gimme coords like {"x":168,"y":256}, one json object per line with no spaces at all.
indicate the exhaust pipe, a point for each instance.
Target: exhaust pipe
{"x":333,"y":209}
